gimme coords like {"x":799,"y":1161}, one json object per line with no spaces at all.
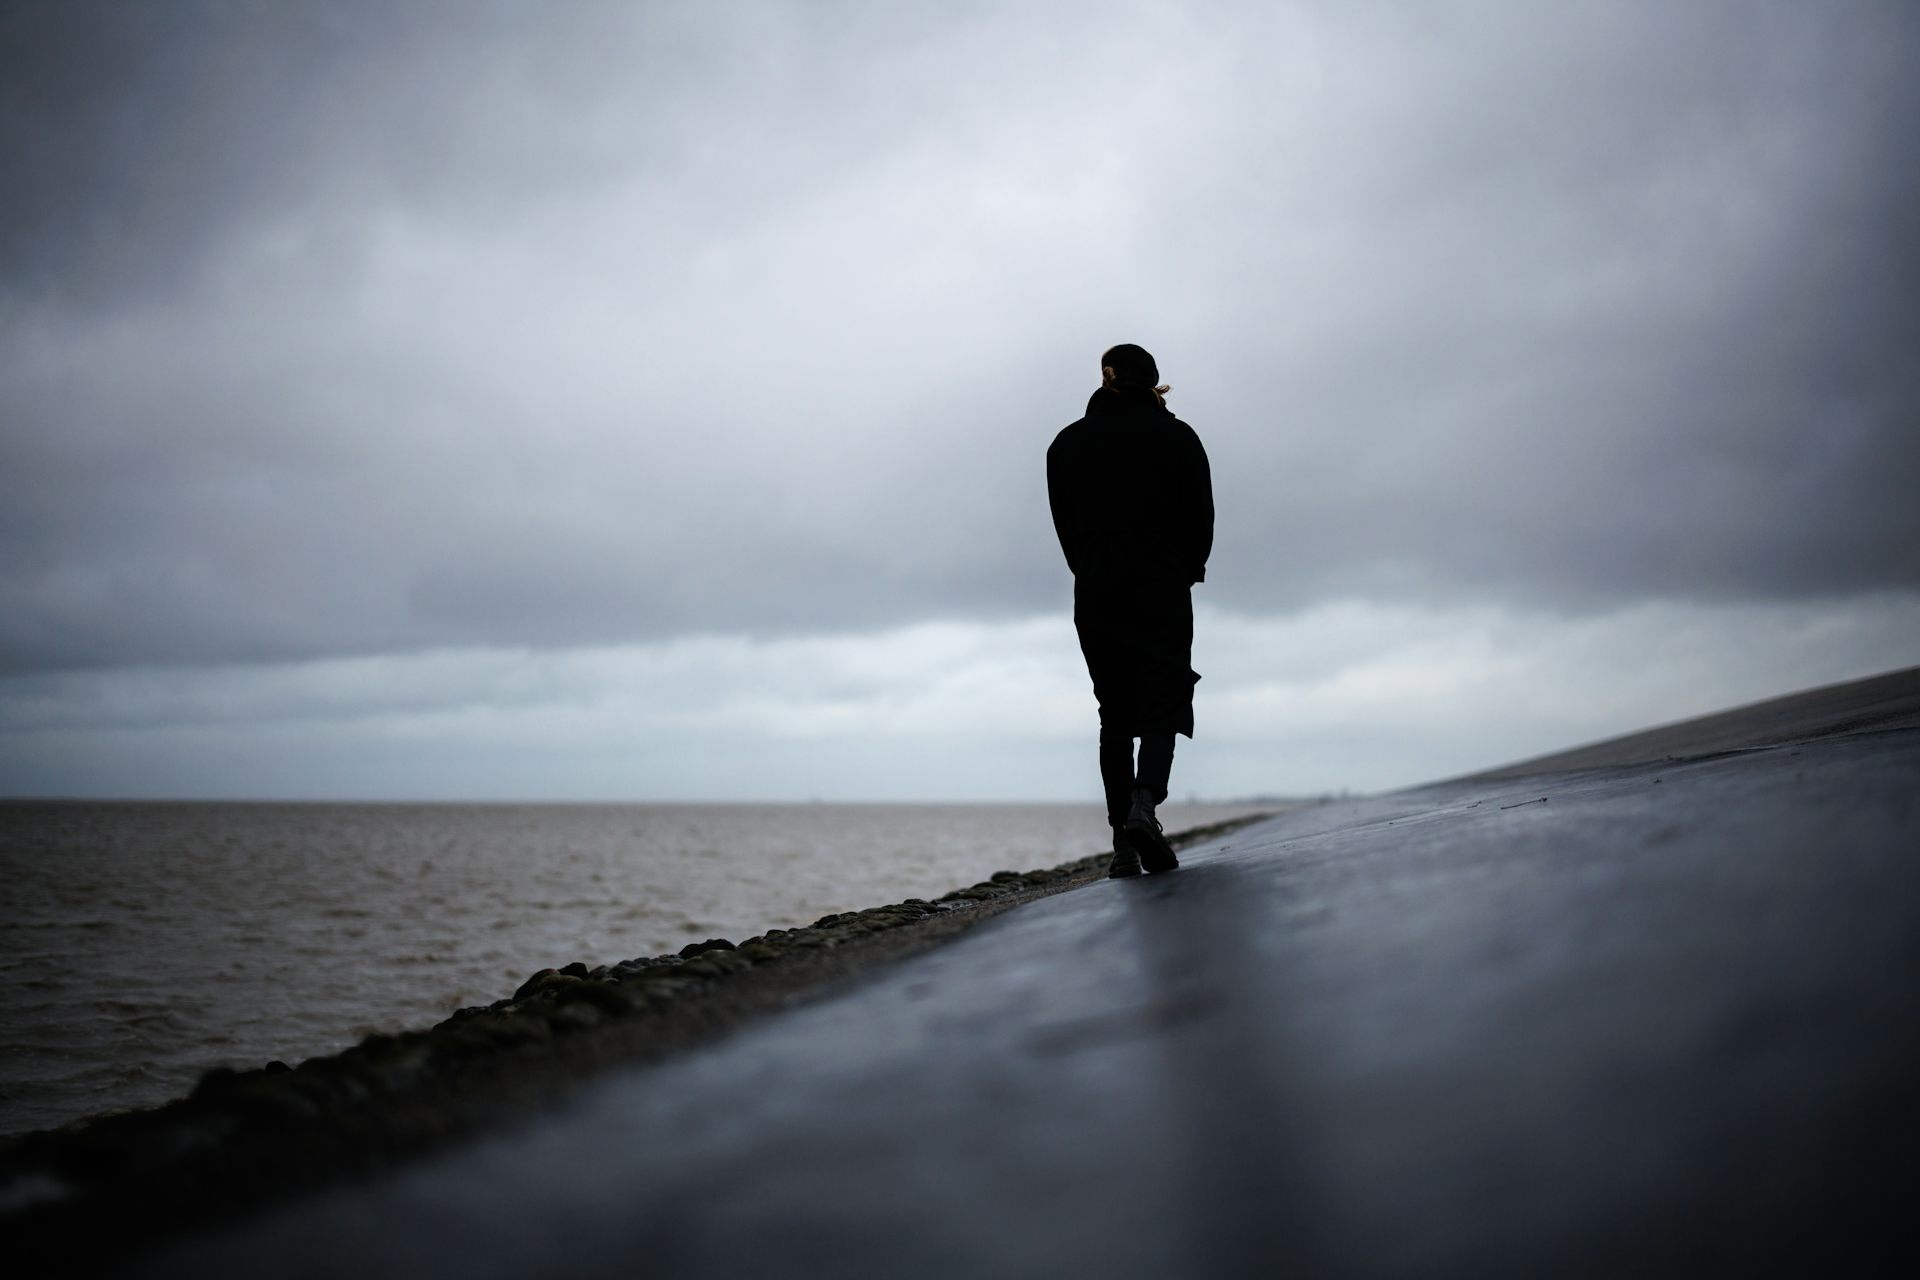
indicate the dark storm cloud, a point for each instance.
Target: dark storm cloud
{"x":1613,"y":309}
{"x":143,"y":136}
{"x":136,"y":136}
{"x":331,"y":330}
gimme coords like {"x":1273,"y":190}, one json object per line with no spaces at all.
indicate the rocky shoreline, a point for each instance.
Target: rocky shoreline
{"x":87,"y":1194}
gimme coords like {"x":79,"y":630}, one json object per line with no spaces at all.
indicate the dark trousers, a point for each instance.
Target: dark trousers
{"x":1118,"y":775}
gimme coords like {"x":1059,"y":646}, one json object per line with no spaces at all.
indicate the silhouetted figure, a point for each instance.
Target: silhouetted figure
{"x":1132,"y":502}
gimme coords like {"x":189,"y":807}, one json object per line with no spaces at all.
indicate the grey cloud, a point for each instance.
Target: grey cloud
{"x":330,"y":331}
{"x":1611,"y":313}
{"x":145,"y":135}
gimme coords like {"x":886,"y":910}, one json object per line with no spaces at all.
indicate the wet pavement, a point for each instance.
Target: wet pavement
{"x":1651,"y":1019}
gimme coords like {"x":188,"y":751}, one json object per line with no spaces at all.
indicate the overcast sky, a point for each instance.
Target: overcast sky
{"x":649,"y":401}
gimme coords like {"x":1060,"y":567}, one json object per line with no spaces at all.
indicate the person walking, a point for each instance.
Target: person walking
{"x":1132,"y":499}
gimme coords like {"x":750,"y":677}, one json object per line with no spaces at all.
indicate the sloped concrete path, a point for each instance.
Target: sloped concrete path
{"x":1658,"y":1019}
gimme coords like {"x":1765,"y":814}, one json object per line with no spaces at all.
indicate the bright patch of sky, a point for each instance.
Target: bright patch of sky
{"x":1347,"y":695}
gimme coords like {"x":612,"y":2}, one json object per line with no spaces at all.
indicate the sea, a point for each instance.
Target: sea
{"x":143,"y":943}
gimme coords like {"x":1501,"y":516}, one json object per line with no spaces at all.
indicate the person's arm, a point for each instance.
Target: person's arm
{"x":1199,"y":510}
{"x":1060,"y":499}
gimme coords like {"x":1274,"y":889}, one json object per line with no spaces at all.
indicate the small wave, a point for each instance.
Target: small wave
{"x":72,"y":1047}
{"x":89,"y":925}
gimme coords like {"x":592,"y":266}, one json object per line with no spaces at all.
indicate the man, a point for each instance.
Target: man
{"x":1132,"y":501}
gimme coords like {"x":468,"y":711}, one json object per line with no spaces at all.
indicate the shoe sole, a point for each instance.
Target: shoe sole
{"x":1155,"y":854}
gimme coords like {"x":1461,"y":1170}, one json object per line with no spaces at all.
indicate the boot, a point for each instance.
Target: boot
{"x":1125,"y":861}
{"x":1143,"y":833}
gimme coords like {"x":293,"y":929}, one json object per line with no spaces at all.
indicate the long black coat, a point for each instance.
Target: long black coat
{"x":1132,"y":501}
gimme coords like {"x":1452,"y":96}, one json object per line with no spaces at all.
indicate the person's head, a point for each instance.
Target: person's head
{"x":1128,"y":367}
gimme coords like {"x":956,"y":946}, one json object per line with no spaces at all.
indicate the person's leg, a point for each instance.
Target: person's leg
{"x":1116,"y":776}
{"x":1143,"y":830}
{"x":1116,"y":773}
{"x":1156,"y":764}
